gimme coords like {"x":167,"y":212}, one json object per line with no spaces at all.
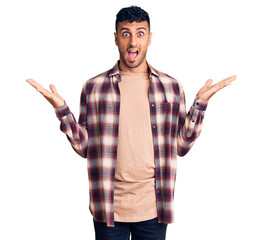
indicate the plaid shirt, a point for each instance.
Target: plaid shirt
{"x":95,"y":136}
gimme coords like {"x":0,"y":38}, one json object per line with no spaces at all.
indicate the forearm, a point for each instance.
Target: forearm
{"x":75,"y":132}
{"x":191,"y":126}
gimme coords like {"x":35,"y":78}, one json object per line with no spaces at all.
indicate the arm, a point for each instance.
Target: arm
{"x":76,"y":132}
{"x":190,"y":124}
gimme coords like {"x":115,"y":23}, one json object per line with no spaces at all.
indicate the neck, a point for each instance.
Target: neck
{"x":142,"y":68}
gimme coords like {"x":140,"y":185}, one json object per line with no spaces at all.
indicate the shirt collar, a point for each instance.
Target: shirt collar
{"x":116,"y":71}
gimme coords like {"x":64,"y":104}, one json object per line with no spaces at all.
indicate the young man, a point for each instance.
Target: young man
{"x":132,"y":126}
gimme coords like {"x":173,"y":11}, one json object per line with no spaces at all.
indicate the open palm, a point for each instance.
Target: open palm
{"x":209,"y":90}
{"x":53,"y":97}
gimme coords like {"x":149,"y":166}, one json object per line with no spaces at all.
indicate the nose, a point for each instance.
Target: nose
{"x":133,"y":41}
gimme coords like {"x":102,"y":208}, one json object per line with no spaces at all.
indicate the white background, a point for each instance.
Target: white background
{"x":44,"y":183}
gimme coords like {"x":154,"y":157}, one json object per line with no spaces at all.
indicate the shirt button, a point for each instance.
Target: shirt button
{"x":152,"y":105}
{"x":154,"y":126}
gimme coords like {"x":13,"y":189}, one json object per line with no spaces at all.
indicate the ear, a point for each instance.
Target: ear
{"x":150,"y":39}
{"x":116,"y":38}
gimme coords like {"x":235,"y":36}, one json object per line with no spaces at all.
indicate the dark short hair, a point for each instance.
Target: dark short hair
{"x":131,"y":14}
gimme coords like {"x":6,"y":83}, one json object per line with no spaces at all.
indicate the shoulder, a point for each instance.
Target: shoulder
{"x":96,"y":80}
{"x":166,"y":78}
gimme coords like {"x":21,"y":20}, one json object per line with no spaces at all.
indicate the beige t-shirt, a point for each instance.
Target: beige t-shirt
{"x":134,"y":189}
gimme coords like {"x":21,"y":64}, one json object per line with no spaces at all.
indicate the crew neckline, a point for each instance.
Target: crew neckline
{"x":132,"y":74}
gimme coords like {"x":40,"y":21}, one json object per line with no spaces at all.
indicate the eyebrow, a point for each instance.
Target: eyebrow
{"x":124,"y":28}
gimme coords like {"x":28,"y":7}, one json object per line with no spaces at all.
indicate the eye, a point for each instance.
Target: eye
{"x":141,"y":33}
{"x":125,"y":34}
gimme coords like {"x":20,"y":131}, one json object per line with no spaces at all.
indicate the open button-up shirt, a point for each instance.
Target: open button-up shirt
{"x":95,"y":136}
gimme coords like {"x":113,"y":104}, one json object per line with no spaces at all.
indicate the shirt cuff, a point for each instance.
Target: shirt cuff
{"x":62,"y":111}
{"x":200,"y":104}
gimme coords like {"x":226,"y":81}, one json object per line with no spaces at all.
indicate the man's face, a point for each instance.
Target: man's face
{"x":133,"y":40}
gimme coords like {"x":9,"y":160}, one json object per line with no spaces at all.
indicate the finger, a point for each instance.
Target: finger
{"x":218,"y":86}
{"x":39,"y":88}
{"x":35,"y":84}
{"x":226,"y":82}
{"x":229,"y":79}
{"x":53,"y":88}
{"x":208,"y":82}
{"x":232,"y":78}
{"x":45,"y":93}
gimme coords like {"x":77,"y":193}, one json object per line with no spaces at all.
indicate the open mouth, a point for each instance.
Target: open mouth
{"x":132,"y":55}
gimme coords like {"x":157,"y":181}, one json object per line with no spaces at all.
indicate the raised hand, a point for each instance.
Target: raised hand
{"x":53,"y":97}
{"x":208,"y":91}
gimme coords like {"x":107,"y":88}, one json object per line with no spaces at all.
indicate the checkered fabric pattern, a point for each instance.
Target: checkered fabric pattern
{"x":95,"y":136}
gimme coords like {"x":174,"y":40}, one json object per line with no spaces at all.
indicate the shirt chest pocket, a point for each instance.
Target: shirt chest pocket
{"x":166,"y":115}
{"x":167,"y":108}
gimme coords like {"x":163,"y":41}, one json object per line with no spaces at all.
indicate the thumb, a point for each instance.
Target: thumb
{"x":53,"y":88}
{"x":208,"y":82}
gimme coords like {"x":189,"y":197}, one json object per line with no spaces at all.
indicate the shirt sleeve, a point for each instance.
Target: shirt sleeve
{"x":190,"y":124}
{"x":76,"y":132}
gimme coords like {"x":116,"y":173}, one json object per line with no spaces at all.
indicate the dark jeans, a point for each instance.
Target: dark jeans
{"x":145,"y":230}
